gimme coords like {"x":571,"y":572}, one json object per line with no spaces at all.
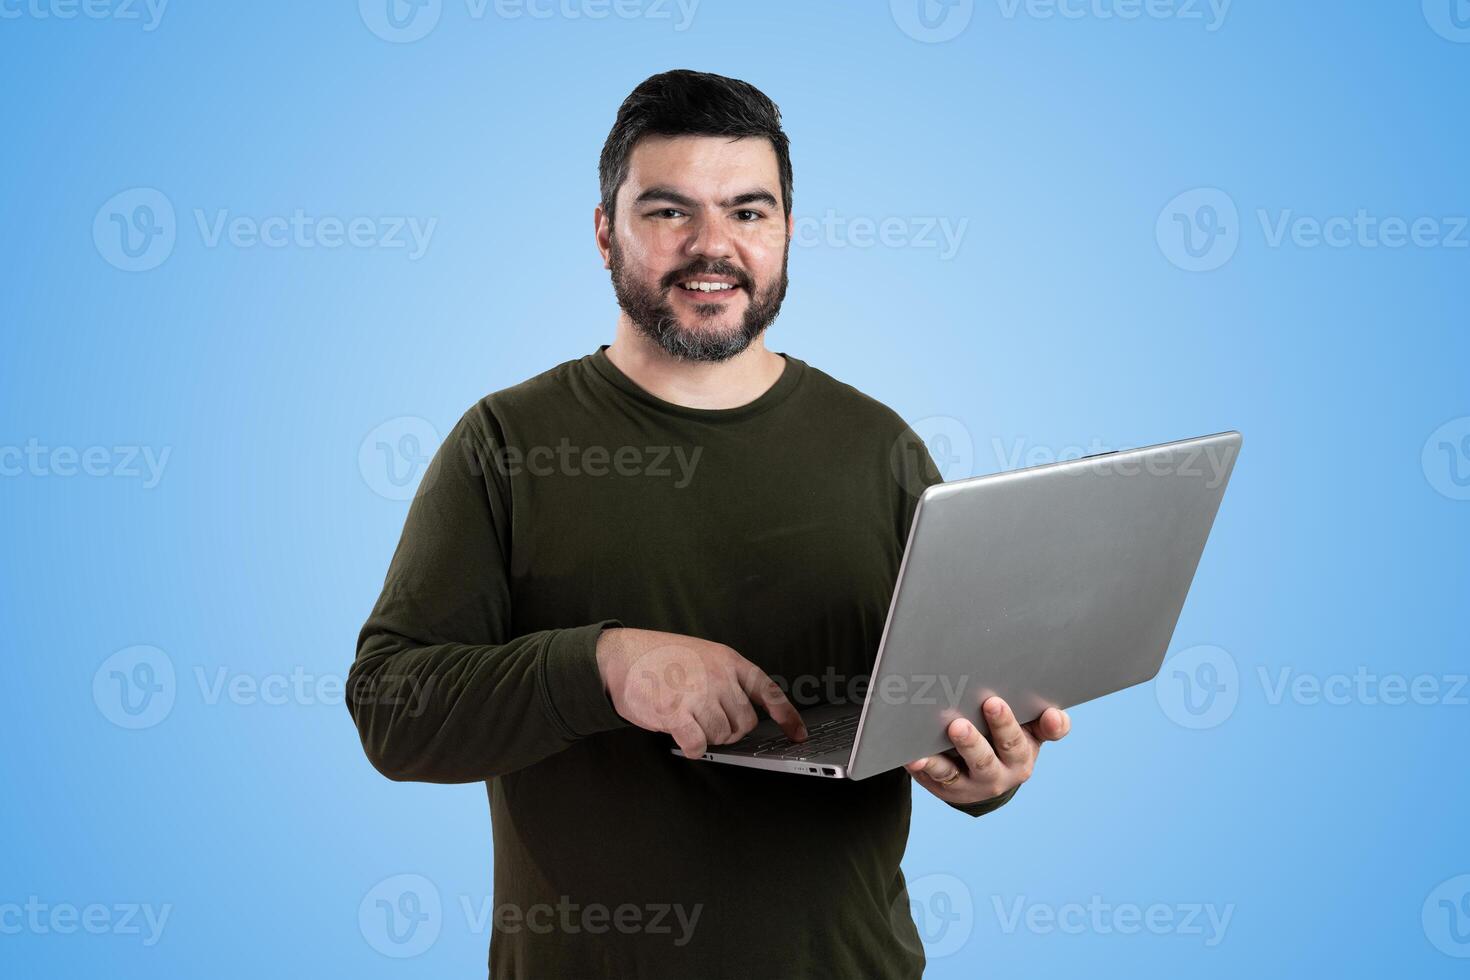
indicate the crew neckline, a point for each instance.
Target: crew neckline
{"x":790,"y":376}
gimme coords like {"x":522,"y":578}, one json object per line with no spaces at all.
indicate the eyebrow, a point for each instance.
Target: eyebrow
{"x":661,"y":193}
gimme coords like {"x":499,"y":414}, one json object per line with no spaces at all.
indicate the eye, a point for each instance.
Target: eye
{"x":666,"y":212}
{"x":755,"y":215}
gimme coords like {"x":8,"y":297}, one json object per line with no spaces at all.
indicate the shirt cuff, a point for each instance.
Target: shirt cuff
{"x":573,"y":685}
{"x":983,"y":807}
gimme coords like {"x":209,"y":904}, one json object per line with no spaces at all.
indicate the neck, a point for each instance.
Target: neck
{"x":694,"y":384}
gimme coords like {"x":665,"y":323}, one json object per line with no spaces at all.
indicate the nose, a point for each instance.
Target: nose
{"x":709,"y":238}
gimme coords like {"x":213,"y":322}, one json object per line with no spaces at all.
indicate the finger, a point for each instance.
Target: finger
{"x":1052,"y":726}
{"x":1010,"y":740}
{"x":740,"y":713}
{"x":690,"y":737}
{"x":722,"y":715}
{"x":943,"y":792}
{"x":768,"y":694}
{"x":978,"y":756}
{"x":942,"y":769}
{"x":711,"y":718}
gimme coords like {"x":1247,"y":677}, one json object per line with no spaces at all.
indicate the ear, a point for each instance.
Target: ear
{"x":602,"y":233}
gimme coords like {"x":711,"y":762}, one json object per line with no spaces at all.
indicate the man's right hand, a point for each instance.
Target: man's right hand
{"x":701,"y":693}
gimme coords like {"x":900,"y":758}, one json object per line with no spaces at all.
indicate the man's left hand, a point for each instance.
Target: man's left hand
{"x":979,"y":769}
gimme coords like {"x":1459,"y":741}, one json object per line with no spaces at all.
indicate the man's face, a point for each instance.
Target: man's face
{"x":700,"y":209}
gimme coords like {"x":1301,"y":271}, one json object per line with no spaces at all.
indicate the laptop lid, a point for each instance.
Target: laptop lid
{"x":1050,"y":585}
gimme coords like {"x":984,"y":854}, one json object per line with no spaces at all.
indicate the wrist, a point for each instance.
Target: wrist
{"x":609,"y":645}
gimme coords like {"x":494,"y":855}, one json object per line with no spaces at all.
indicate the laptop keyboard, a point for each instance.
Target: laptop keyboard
{"x":829,"y":736}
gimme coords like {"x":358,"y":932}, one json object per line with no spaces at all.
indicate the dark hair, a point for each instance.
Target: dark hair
{"x":690,"y":103}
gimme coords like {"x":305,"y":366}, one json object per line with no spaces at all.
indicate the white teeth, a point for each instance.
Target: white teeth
{"x":706,"y":287}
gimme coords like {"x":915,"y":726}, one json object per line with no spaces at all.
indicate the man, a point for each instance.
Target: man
{"x":634,"y":545}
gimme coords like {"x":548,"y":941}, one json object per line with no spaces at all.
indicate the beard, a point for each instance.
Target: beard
{"x":655,"y":318}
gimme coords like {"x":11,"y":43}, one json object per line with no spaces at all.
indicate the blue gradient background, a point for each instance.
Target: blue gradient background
{"x":1060,"y":320}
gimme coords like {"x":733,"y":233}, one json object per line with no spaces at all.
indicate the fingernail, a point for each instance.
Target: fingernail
{"x":993,"y":709}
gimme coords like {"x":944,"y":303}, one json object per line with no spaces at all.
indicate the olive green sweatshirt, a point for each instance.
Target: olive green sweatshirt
{"x":576,"y":501}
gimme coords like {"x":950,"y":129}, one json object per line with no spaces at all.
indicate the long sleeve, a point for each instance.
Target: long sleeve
{"x":983,"y":807}
{"x":439,"y":691}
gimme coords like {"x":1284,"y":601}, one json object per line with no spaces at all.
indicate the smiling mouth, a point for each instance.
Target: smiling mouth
{"x":705,"y":290}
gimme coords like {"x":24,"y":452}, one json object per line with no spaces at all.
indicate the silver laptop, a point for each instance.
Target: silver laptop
{"x":1051,"y":585}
